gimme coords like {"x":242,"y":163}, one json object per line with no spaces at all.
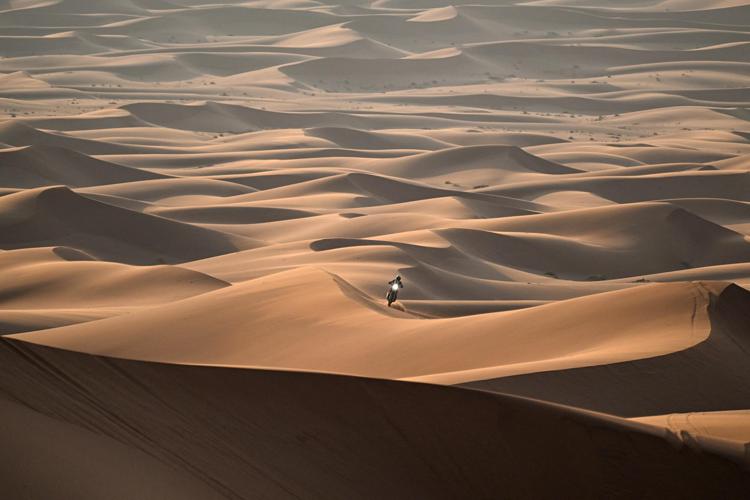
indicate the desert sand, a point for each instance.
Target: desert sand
{"x":201,"y":205}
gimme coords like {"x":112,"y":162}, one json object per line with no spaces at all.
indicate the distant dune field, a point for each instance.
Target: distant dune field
{"x":201,"y":205}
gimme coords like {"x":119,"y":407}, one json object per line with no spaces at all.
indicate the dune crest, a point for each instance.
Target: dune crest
{"x":595,"y":330}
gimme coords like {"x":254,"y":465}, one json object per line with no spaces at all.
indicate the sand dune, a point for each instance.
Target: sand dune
{"x":59,"y":286}
{"x":97,"y":119}
{"x":563,"y":185}
{"x":29,"y":320}
{"x":729,"y":425}
{"x":711,"y":184}
{"x":16,"y":133}
{"x":230,"y":118}
{"x":712,"y":372}
{"x":399,"y":344}
{"x":37,"y":166}
{"x":665,"y":237}
{"x":44,"y":278}
{"x":59,"y":216}
{"x":473,"y":164}
{"x":360,"y":139}
{"x":366,"y":189}
{"x":342,"y":436}
{"x":164,"y":191}
{"x":19,"y":134}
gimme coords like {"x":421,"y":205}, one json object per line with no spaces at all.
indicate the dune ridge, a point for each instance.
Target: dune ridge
{"x":673,"y":317}
{"x":341,"y":432}
{"x":647,"y":385}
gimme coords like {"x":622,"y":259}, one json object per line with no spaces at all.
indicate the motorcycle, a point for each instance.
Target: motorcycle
{"x":392,"y":294}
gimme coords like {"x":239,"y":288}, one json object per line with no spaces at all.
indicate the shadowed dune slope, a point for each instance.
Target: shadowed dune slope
{"x":730,"y":185}
{"x":362,"y":139}
{"x":17,"y":133}
{"x":493,"y":163}
{"x":38,"y":166}
{"x":50,"y":287}
{"x":43,"y":457}
{"x":342,"y":437}
{"x":59,"y":216}
{"x":712,"y":375}
{"x":593,"y":244}
{"x":38,"y":278}
{"x":604,"y":242}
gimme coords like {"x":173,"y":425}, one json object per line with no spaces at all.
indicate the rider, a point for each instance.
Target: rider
{"x":394,"y":284}
{"x":397,"y":280}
